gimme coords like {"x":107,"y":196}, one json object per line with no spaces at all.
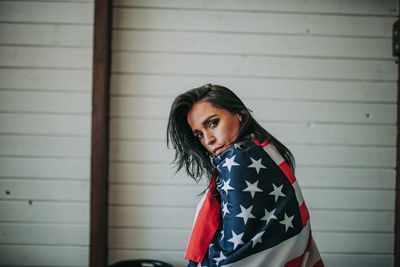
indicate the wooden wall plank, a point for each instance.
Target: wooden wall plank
{"x":51,"y":168}
{"x":46,"y":12}
{"x":370,"y":7}
{"x":310,"y":133}
{"x":255,"y":44}
{"x":232,"y":21}
{"x":24,"y":189}
{"x":45,"y":102}
{"x":362,"y":178}
{"x":35,"y":211}
{"x":50,"y":79}
{"x":373,"y":260}
{"x":170,"y":256}
{"x":35,"y":255}
{"x":175,"y":240}
{"x":182,"y":218}
{"x":40,"y":146}
{"x":46,"y":124}
{"x":45,"y":57}
{"x":259,"y":88}
{"x":157,"y":152}
{"x":143,"y":238}
{"x":147,"y":195}
{"x":253,"y":66}
{"x":35,"y":234}
{"x":279,"y":111}
{"x":355,"y":221}
{"x":46,"y":34}
{"x":153,"y":173}
{"x":355,"y":242}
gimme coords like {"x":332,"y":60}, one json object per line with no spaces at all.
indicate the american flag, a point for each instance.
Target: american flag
{"x":261,"y":218}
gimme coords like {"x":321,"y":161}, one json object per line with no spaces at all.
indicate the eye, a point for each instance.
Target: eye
{"x":198,"y":135}
{"x":213,"y":123}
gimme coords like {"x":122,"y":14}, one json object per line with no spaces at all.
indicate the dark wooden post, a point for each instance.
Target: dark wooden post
{"x":100,"y":115}
{"x":396,"y":53}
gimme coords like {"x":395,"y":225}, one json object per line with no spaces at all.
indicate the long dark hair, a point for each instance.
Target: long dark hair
{"x":189,"y":152}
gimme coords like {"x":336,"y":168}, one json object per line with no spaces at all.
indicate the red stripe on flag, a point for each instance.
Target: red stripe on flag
{"x":319,"y":264}
{"x":287,"y":171}
{"x":296,"y":262}
{"x":263,"y":144}
{"x":204,"y":228}
{"x":304,"y":213}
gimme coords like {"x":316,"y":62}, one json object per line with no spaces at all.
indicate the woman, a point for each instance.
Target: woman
{"x":253,"y":213}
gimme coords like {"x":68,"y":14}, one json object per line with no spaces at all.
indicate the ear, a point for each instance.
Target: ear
{"x":239,"y":117}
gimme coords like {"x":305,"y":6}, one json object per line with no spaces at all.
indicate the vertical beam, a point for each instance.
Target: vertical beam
{"x":397,"y":210}
{"x":396,"y":54}
{"x":100,"y":113}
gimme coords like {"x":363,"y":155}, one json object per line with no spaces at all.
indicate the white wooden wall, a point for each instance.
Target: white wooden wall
{"x":45,"y":109}
{"x":318,"y":74}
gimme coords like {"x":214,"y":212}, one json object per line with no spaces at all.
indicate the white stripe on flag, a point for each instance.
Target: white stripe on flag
{"x":274,"y":154}
{"x":198,"y":208}
{"x":298,"y":193}
{"x":278,"y":255}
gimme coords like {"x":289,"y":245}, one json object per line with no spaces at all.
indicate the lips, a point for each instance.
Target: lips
{"x":215,"y":151}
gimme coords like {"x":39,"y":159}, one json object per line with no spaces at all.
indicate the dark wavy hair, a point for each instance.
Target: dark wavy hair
{"x":189,"y":152}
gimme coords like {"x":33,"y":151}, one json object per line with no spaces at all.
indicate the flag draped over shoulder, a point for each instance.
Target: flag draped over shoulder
{"x":261,"y":219}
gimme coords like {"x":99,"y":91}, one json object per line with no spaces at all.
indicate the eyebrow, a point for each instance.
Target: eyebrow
{"x":205,"y":122}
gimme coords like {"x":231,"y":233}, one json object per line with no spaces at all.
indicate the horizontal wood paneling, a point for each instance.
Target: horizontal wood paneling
{"x":51,"y":79}
{"x":320,"y":198}
{"x":252,"y":66}
{"x":170,"y":256}
{"x":255,"y":44}
{"x":35,"y":211}
{"x":310,"y":133}
{"x":41,"y":146}
{"x":45,"y":106}
{"x":45,"y":57}
{"x":171,"y":239}
{"x":233,"y":21}
{"x":46,"y":12}
{"x":320,"y":177}
{"x":307,"y":155}
{"x":355,"y":242}
{"x":182,"y":218}
{"x":373,"y":260}
{"x":20,"y":233}
{"x":50,"y":168}
{"x":40,"y":255}
{"x":45,"y":102}
{"x":293,"y":111}
{"x":319,"y":75}
{"x":46,"y":124}
{"x":259,"y":88}
{"x":362,"y":178}
{"x":24,"y":189}
{"x":369,"y":7}
{"x":46,"y":35}
{"x":355,"y":221}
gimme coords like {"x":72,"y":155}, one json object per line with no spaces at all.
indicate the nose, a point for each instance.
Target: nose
{"x":209,"y":138}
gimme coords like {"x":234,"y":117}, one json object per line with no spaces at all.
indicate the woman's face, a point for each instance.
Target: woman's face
{"x":216,"y":128}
